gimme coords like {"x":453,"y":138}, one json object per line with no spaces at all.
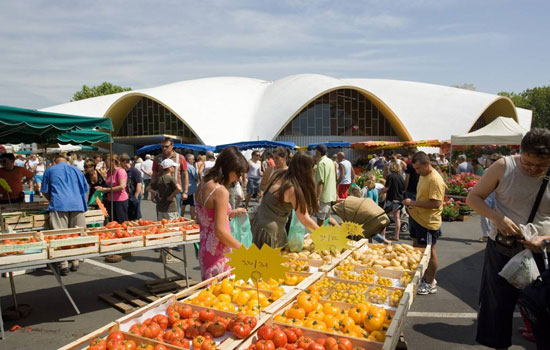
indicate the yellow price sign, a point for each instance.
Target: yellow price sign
{"x":352,"y":229}
{"x":329,"y":238}
{"x":257,"y":263}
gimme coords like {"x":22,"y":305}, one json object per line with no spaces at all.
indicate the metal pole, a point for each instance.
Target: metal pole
{"x":185,"y":265}
{"x":58,"y":278}
{"x":13,"y":292}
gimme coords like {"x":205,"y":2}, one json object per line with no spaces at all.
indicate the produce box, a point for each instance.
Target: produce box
{"x":40,"y":220}
{"x":226,"y":341}
{"x":94,"y":216}
{"x":102,"y":334}
{"x":22,"y":247}
{"x":303,"y":279}
{"x":157,"y":235}
{"x":17,"y":221}
{"x":70,"y":242}
{"x":116,"y":239}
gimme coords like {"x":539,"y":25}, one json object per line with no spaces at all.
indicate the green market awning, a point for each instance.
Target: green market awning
{"x":84,"y":136}
{"x":19,"y":125}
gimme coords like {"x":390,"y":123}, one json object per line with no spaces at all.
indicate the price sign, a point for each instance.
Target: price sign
{"x":329,"y":238}
{"x":352,"y":229}
{"x":257,"y":263}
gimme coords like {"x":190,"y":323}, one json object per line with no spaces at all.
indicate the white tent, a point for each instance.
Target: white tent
{"x":63,"y":148}
{"x":501,"y":131}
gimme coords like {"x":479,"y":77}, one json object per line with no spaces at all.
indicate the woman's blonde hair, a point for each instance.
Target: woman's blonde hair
{"x":395,"y":167}
{"x":115,"y":159}
{"x":201,"y":158}
{"x":370,"y":184}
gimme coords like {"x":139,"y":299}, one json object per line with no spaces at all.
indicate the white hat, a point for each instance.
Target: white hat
{"x":147,"y":156}
{"x":167,"y":163}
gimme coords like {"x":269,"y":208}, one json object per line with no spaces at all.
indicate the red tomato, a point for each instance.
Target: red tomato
{"x":265,"y":345}
{"x":160,"y":347}
{"x":152,"y":330}
{"x":197,"y":342}
{"x":298,"y":331}
{"x":206,"y":315}
{"x":173,"y":335}
{"x":279,"y":338}
{"x":208,"y":345}
{"x":344,"y":344}
{"x":315,"y":346}
{"x":185,"y":311}
{"x":265,"y":332}
{"x":98,"y":344}
{"x":290,"y":335}
{"x":304,"y":342}
{"x":291,"y":346}
{"x":321,"y":341}
{"x":217,"y":329}
{"x":192,"y":332}
{"x":117,"y":336}
{"x":331,"y":344}
{"x":161,"y":320}
{"x":173,"y":317}
{"x":129,"y":345}
{"x":241,"y":330}
{"x":115,"y":344}
{"x":251,"y":321}
{"x":137,"y":329}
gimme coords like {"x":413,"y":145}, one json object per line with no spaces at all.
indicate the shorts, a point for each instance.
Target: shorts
{"x":38,"y":178}
{"x":324,"y":211}
{"x":343,"y":191}
{"x":253,"y":186}
{"x":168,"y":215}
{"x":189,"y":201}
{"x":422,"y":234}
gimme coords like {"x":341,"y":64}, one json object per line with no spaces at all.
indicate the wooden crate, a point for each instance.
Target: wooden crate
{"x":17,"y":221}
{"x":163,"y":238}
{"x":58,"y":248}
{"x":111,"y":245}
{"x":31,"y":251}
{"x":394,"y":330}
{"x":40,"y":220}
{"x":179,"y":224}
{"x":83,"y":342}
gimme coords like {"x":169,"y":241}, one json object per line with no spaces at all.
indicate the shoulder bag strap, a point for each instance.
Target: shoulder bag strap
{"x":542,"y":189}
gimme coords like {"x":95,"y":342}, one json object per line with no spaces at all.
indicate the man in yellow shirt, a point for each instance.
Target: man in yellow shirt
{"x":425,"y":215}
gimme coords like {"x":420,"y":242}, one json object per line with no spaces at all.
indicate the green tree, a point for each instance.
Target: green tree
{"x":99,"y":90}
{"x":536,"y":99}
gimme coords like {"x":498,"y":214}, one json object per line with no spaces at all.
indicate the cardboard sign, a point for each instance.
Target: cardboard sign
{"x":255,"y":264}
{"x":352,"y":229}
{"x":329,"y":238}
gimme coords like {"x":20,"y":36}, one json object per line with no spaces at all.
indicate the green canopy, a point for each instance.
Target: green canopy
{"x":18,"y":125}
{"x":88,"y":148}
{"x":84,"y":136}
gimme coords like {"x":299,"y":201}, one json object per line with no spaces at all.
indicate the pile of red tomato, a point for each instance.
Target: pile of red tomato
{"x":117,"y":341}
{"x":17,"y":241}
{"x":292,"y":338}
{"x":182,"y":326}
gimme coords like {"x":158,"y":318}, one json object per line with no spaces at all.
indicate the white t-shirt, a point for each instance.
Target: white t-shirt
{"x":254,"y":169}
{"x":147,"y":166}
{"x":32,"y":163}
{"x":79,"y":164}
{"x":207,"y":165}
{"x":138,"y":167}
{"x":40,"y":169}
{"x":348,"y":168}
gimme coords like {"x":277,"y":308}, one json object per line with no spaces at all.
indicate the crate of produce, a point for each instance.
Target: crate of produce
{"x":172,"y":315}
{"x":116,"y":239}
{"x":40,"y":220}
{"x":301,"y":280}
{"x":393,"y":257}
{"x":17,"y":221}
{"x":372,"y":275}
{"x":93,"y":216}
{"x":70,"y":242}
{"x":111,"y":333}
{"x":22,"y":247}
{"x":157,"y":235}
{"x":365,"y":324}
{"x":239,"y":296}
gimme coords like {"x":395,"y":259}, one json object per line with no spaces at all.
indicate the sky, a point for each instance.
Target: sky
{"x":49,"y":49}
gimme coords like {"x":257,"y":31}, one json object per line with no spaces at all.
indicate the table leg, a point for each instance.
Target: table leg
{"x":13,"y":292}
{"x":163,"y":255}
{"x":185,"y":265}
{"x":56,"y":274}
{"x":2,"y":325}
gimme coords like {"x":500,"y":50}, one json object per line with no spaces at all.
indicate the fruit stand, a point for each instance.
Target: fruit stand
{"x":30,"y":250}
{"x":358,"y":297}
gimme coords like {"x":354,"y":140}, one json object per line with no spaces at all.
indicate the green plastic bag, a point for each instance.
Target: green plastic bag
{"x":241,"y":230}
{"x":94,"y":196}
{"x":296,"y":233}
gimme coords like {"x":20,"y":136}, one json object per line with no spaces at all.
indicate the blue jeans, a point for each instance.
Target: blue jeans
{"x":178,"y":200}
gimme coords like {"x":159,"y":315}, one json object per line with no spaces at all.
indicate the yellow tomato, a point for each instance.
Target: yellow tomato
{"x":291,"y":280}
{"x":223,"y":298}
{"x":314,"y":324}
{"x":357,"y":314}
{"x":278,"y":292}
{"x":330,"y":321}
{"x":216,"y":289}
{"x":307,"y":302}
{"x":328,"y":309}
{"x":280,"y":318}
{"x":273,"y":283}
{"x":243,"y":298}
{"x":227,"y":287}
{"x":316,"y":315}
{"x":253,"y":302}
{"x":264,"y":301}
{"x":347,"y":324}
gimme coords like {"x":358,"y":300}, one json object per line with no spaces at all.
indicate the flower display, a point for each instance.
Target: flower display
{"x":460,"y":184}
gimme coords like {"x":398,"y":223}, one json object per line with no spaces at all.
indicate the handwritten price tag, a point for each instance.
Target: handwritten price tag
{"x":352,"y":229}
{"x":257,"y":263}
{"x":329,"y":238}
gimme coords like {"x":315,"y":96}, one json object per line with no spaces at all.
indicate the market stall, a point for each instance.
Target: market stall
{"x":190,"y":146}
{"x":357,"y":296}
{"x":28,"y":250}
{"x":246,"y":145}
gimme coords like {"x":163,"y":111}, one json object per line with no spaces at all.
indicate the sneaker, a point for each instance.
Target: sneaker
{"x":75,"y":265}
{"x":64,"y":271}
{"x":426,"y":282}
{"x":426,"y":288}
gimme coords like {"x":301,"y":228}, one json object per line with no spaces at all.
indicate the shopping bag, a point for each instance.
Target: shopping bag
{"x":522,"y":269}
{"x":240,"y":229}
{"x":97,"y":194}
{"x":296,"y":233}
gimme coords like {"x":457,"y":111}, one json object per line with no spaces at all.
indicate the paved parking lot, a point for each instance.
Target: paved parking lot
{"x":445,"y":320}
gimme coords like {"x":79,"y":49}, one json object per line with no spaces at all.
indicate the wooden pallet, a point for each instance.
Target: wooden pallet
{"x":128,"y":300}
{"x":171,"y":284}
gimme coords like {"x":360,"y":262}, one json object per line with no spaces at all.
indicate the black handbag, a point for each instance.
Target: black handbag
{"x":509,"y":245}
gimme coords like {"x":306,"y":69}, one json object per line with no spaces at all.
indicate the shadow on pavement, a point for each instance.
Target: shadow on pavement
{"x":450,"y":333}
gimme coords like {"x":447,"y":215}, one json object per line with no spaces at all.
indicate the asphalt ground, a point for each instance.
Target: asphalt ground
{"x":445,"y":320}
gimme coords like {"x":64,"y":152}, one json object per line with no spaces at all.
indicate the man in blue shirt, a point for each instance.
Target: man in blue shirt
{"x":67,"y":190}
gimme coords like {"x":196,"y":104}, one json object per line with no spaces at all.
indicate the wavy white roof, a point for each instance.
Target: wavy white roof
{"x":230,"y":109}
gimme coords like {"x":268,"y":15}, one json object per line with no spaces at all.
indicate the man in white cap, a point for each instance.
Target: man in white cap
{"x":167,"y":188}
{"x":147,"y":169}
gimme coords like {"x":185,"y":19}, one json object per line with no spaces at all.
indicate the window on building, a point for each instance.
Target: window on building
{"x":344,"y":112}
{"x":149,"y":117}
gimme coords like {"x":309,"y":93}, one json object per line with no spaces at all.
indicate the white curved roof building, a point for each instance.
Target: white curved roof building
{"x":301,"y":108}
